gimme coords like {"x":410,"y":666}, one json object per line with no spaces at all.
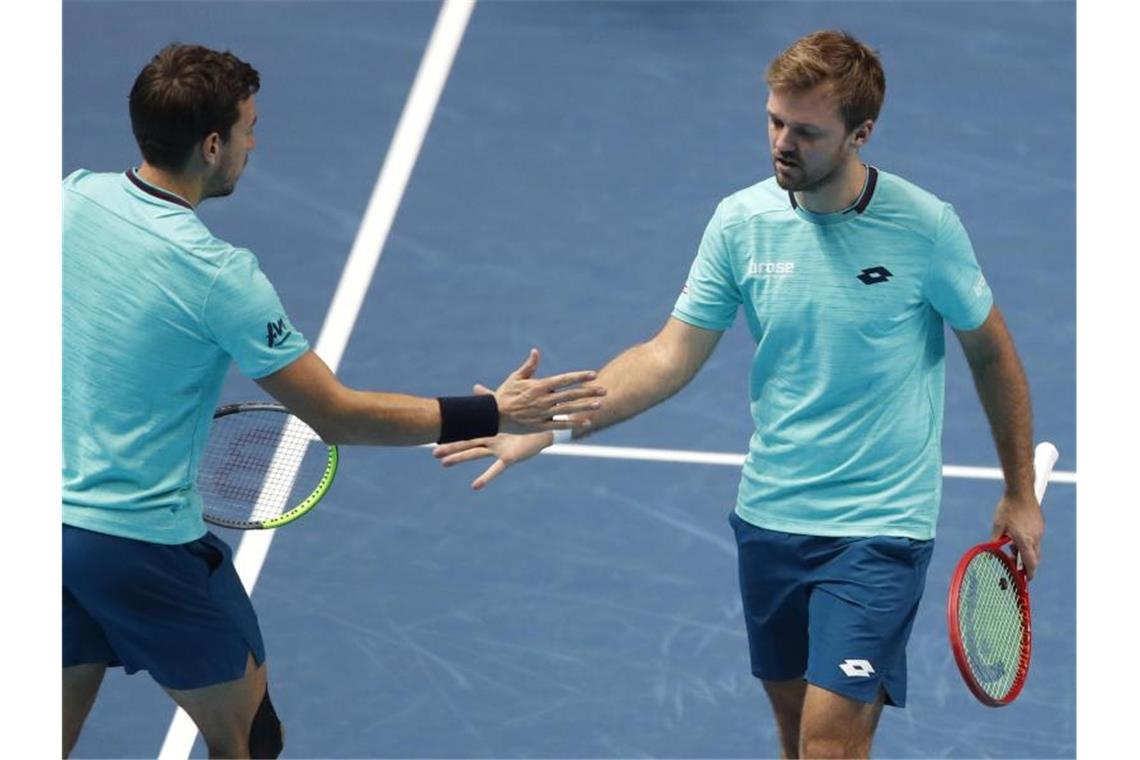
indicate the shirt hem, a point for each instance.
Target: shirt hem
{"x":116,"y":528}
{"x":831,"y":530}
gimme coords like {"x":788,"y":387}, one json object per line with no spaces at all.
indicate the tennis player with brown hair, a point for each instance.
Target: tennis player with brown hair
{"x":154,"y":310}
{"x":846,"y":275}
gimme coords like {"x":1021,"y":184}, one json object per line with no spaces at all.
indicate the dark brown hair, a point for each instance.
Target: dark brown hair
{"x":852,"y":69}
{"x":184,"y":94}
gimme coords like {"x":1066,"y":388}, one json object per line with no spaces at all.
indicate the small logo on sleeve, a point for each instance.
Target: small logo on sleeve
{"x":875,"y":275}
{"x":276,"y":333}
{"x":856,"y":668}
{"x":980,"y":286}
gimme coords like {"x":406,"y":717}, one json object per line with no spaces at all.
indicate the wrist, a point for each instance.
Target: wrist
{"x":1019,"y":492}
{"x":462,"y":418}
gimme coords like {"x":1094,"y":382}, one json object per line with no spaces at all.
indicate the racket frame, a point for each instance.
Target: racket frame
{"x":995,"y":549}
{"x":305,"y":505}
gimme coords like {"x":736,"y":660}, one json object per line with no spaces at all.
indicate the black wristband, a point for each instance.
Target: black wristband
{"x":462,"y":418}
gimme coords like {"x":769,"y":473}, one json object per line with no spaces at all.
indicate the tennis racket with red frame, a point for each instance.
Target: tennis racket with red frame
{"x":988,"y":610}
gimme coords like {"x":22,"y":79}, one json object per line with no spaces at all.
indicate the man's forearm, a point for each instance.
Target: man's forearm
{"x":1004,"y":393}
{"x":637,"y":379}
{"x":383,"y":419}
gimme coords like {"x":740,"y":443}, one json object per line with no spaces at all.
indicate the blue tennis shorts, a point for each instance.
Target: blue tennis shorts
{"x":178,"y":611}
{"x":834,"y":611}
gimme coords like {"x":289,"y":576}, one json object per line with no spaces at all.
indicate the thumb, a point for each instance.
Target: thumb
{"x":482,"y":390}
{"x":529,"y":366}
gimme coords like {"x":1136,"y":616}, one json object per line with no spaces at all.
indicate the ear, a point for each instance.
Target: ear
{"x":862,"y":134}
{"x":211,"y":148}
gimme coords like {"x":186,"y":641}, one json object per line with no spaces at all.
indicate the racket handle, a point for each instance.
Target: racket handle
{"x":1044,"y":457}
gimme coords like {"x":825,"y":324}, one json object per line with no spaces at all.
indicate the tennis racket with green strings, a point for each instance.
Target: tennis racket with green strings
{"x":262,"y":467}
{"x":988,"y":610}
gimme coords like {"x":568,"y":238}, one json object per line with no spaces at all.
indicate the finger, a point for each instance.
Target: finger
{"x":527,"y":368}
{"x":1027,"y":553}
{"x":466,"y":456}
{"x":567,"y":378}
{"x":580,"y":406}
{"x":577,"y":393}
{"x":1030,"y":560}
{"x":483,"y":390}
{"x":447,"y":449}
{"x":581,"y":423}
{"x":489,"y":474}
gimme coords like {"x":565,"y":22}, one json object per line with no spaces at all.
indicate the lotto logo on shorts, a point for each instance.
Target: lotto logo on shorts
{"x":856,"y":668}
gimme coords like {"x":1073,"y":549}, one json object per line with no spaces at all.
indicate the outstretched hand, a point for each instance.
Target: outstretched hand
{"x":507,"y":450}
{"x":528,"y":404}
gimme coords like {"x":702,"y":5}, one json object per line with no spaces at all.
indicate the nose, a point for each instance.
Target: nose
{"x":782,"y":141}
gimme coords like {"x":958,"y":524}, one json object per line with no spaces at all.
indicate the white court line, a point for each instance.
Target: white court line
{"x":358,"y":270}
{"x":737,"y":460}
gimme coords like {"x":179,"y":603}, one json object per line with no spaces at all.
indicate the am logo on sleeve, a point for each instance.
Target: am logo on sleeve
{"x":277,"y":332}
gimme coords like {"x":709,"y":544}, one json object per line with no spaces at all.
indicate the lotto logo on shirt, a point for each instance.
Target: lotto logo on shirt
{"x":766,"y":268}
{"x":276,"y":333}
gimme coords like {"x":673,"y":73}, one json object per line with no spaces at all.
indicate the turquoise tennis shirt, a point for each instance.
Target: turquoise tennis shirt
{"x":154,"y":308}
{"x":848,"y":377}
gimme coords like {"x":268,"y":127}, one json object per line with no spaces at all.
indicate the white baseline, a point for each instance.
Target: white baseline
{"x":737,"y":460}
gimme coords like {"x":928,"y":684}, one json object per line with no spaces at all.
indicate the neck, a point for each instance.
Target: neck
{"x":837,"y":192}
{"x":185,"y":186}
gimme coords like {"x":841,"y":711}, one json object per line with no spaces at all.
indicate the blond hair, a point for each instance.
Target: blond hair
{"x":836,"y":58}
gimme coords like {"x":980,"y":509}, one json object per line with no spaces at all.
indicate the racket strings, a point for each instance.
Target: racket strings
{"x":253,"y":464}
{"x":992,"y":624}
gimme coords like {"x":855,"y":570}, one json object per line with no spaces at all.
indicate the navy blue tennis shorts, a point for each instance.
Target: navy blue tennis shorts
{"x":834,"y":611}
{"x":178,"y":611}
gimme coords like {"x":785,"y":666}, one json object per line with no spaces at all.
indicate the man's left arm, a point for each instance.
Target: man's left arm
{"x":1004,"y":393}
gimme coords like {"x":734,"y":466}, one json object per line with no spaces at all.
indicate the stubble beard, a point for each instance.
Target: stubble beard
{"x":810,"y":183}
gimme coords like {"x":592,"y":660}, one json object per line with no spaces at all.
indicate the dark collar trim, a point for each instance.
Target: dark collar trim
{"x":864,"y":199}
{"x":150,"y":190}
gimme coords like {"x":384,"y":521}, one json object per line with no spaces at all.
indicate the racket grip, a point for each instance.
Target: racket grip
{"x":1044,"y":457}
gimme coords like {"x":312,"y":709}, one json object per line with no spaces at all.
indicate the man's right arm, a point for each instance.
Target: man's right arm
{"x":644,"y":375}
{"x":343,"y":415}
{"x":637,"y":379}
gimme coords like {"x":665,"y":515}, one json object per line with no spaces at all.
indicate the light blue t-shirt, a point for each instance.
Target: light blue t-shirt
{"x":154,"y":308}
{"x":848,"y":378}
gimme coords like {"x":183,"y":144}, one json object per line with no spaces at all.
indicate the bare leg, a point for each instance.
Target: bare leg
{"x":787,"y":698}
{"x":80,"y":685}
{"x":224,"y":712}
{"x":834,"y":726}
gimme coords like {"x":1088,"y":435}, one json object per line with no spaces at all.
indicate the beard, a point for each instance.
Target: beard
{"x":797,"y":179}
{"x":228,"y":184}
{"x":220,"y":192}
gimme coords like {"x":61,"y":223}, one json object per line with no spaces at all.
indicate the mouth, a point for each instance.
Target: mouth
{"x":785,"y":164}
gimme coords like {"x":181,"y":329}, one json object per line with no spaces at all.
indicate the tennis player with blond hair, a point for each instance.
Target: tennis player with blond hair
{"x":846,"y":275}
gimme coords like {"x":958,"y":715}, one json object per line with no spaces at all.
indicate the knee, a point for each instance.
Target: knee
{"x":266,"y":734}
{"x":827,"y":747}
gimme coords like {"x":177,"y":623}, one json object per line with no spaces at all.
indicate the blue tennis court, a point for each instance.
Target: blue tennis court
{"x":588,"y":606}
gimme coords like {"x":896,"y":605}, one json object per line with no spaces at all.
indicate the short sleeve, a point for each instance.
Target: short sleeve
{"x":954,"y":284}
{"x":711,"y":295}
{"x":245,"y":318}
